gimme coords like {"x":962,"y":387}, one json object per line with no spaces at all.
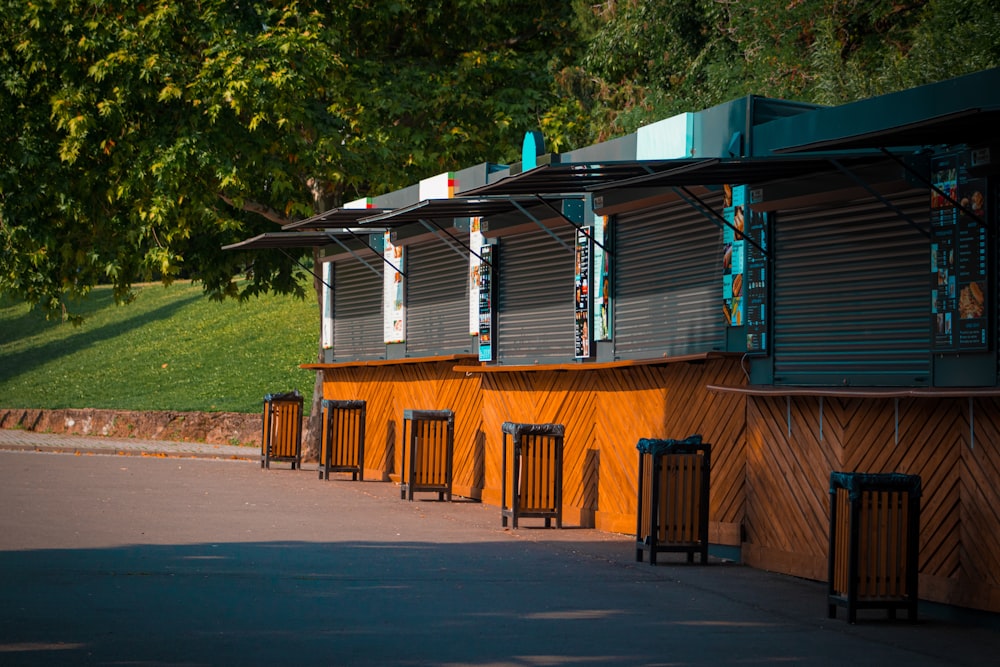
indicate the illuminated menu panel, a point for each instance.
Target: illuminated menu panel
{"x":959,"y":312}
{"x":582,"y":293}
{"x":755,"y":282}
{"x":744,"y":268}
{"x":487,"y":319}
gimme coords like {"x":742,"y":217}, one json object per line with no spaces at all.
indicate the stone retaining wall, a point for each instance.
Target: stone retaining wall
{"x":224,"y":428}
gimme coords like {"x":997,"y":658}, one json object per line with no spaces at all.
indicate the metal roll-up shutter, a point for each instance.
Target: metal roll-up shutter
{"x":536,"y":322}
{"x":437,"y":300}
{"x":851,"y":294}
{"x":668,"y":282}
{"x":357,"y":307}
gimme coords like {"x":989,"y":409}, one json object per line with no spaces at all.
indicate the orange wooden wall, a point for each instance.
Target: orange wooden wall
{"x":771,"y":456}
{"x":953,"y":444}
{"x":605,"y":413}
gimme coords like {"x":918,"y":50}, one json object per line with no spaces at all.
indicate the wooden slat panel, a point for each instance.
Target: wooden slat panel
{"x":389,"y":390}
{"x":788,"y":472}
{"x":771,"y":457}
{"x":980,"y":512}
{"x":927,"y":445}
{"x":605,"y":414}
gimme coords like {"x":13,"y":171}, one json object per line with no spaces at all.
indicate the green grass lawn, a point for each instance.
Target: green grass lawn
{"x":170,"y":349}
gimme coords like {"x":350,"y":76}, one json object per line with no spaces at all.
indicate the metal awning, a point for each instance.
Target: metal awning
{"x":967,"y":126}
{"x":283,"y":240}
{"x":429,"y":211}
{"x":962,"y":110}
{"x":734,"y":171}
{"x":334,"y":218}
{"x":567,"y":178}
{"x":456,"y":207}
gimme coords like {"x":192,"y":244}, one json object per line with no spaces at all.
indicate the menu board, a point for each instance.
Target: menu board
{"x":476,"y":240}
{"x":601,"y":287}
{"x":959,"y":316}
{"x":582,"y":293}
{"x":755,"y":282}
{"x":744,"y":267}
{"x":393,"y":289}
{"x":486,"y":313}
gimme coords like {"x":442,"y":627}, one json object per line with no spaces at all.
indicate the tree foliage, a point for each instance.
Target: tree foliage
{"x":140,"y":137}
{"x":655,"y":58}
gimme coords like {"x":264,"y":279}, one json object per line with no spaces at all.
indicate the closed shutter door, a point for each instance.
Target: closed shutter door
{"x":668,"y":282}
{"x":536,"y":322}
{"x":357,"y":304}
{"x":437,"y":300}
{"x":852,"y":300}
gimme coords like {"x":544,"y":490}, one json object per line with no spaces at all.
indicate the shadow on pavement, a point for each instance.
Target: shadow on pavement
{"x":412,"y":603}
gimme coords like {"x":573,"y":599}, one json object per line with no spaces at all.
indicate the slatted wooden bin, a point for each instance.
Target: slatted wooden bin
{"x":533,"y":481}
{"x":672,"y":516}
{"x":281,"y":439}
{"x":343,"y":447}
{"x":874,"y":543}
{"x":428,"y":453}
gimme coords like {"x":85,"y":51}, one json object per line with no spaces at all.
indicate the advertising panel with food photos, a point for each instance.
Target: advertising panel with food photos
{"x":582,"y":300}
{"x":487,"y":314}
{"x":744,"y":268}
{"x":959,"y":255}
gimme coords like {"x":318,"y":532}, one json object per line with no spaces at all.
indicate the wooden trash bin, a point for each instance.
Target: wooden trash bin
{"x":672,"y":516}
{"x":343,"y":448}
{"x":281,"y":439}
{"x":428,"y":451}
{"x":874,"y":543}
{"x":535,"y":480}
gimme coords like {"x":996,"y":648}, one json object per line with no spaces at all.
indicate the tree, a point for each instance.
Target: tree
{"x":140,"y":137}
{"x":654,"y":59}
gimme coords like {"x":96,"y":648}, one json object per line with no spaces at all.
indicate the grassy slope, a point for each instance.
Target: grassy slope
{"x":171,"y":349}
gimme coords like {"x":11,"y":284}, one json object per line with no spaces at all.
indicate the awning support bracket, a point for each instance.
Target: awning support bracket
{"x":713,"y":216}
{"x":539,"y":223}
{"x":579,"y":228}
{"x":430,"y":223}
{"x":305,"y":268}
{"x":355,"y":255}
{"x":873,"y":192}
{"x":377,"y":254}
{"x":926,"y":181}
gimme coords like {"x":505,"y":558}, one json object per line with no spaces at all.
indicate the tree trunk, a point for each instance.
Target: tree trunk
{"x":313,"y":431}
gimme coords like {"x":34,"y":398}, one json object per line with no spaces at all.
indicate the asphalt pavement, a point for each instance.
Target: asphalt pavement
{"x":155,"y":555}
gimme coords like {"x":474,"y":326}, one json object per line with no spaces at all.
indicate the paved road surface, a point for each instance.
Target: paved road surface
{"x":138,"y":560}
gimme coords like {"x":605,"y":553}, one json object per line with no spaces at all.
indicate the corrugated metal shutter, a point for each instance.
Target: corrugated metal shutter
{"x":536,"y":321}
{"x":668,"y":282}
{"x":357,"y":307}
{"x":437,"y":300}
{"x":852,"y":301}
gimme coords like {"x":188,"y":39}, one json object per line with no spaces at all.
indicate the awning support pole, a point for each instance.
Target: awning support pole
{"x":306,"y":268}
{"x":926,"y":181}
{"x":579,"y":228}
{"x":356,"y":255}
{"x":428,"y":224}
{"x":377,"y":253}
{"x":716,"y":219}
{"x":539,"y":223}
{"x":873,"y":192}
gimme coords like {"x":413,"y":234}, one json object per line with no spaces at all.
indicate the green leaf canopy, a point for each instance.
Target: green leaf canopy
{"x":140,"y":137}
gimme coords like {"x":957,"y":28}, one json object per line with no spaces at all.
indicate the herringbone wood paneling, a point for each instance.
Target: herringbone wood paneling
{"x":952,"y":444}
{"x":605,"y":414}
{"x":980,"y":516}
{"x":771,"y":456}
{"x":391,"y":389}
{"x":788,"y":472}
{"x":928,"y":445}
